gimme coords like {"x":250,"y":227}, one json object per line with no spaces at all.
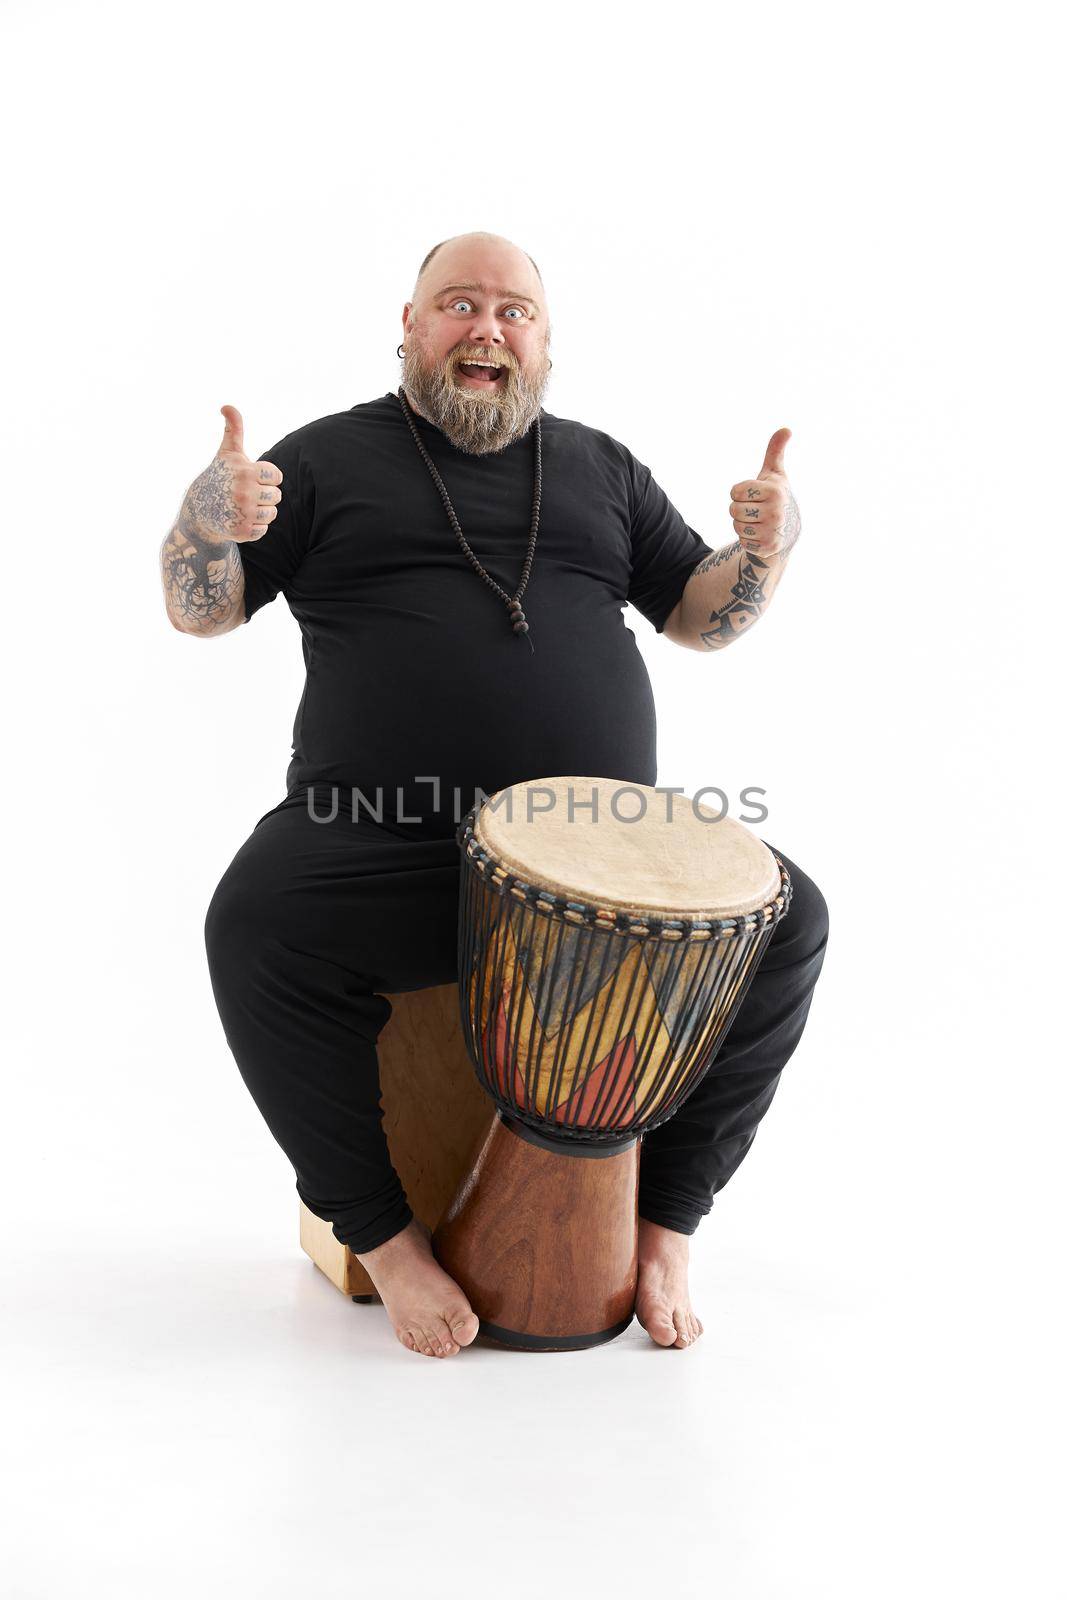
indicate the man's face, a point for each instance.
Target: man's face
{"x":477,"y":301}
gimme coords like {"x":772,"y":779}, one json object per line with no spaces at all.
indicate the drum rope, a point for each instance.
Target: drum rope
{"x":520,"y":941}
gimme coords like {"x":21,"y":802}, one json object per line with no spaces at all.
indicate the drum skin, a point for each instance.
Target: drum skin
{"x":627,"y":846}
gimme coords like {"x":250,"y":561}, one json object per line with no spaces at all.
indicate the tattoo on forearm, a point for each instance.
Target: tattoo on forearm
{"x":201,"y":579}
{"x":716,"y":558}
{"x":745,"y":607}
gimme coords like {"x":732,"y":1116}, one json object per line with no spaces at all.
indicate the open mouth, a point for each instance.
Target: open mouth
{"x":483,"y":374}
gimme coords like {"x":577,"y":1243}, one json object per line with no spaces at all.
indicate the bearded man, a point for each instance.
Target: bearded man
{"x":458,"y":559}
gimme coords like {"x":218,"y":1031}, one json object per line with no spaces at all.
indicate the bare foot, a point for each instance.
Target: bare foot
{"x":428,"y":1309}
{"x":663,"y":1307}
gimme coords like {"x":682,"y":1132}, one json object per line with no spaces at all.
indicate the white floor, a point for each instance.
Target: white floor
{"x":193,"y":1409}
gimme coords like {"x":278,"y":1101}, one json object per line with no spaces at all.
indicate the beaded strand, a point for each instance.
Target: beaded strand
{"x":513,"y":602}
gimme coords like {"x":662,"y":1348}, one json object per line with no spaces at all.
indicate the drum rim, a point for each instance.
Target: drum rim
{"x":661,"y":924}
{"x":753,"y":877}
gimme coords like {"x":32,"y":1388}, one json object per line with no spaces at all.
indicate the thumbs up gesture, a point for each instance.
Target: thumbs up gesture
{"x":234,"y":498}
{"x":766,"y":517}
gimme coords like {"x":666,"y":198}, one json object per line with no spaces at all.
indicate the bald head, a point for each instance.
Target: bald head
{"x":456,"y":246}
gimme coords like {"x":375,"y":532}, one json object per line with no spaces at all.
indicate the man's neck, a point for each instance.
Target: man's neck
{"x":414,"y":407}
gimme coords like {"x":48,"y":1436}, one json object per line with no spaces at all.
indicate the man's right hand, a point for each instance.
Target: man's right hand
{"x":233,"y":498}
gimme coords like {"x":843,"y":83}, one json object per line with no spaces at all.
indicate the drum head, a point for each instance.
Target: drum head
{"x":667,"y":859}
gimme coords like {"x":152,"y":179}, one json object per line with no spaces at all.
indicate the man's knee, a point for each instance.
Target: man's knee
{"x":806,"y":927}
{"x":812,"y":912}
{"x":239,"y":919}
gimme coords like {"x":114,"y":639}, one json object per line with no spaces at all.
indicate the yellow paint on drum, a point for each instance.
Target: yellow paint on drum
{"x":624,"y":1010}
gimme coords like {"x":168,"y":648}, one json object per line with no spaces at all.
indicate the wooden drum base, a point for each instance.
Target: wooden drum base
{"x":544,"y":1243}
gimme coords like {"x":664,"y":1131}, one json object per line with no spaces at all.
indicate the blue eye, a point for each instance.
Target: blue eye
{"x":459,"y":305}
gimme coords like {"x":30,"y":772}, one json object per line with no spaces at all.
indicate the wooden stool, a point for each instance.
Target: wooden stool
{"x":436,"y":1116}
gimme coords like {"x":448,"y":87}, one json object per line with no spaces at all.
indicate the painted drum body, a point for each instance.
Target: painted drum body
{"x":607,"y":935}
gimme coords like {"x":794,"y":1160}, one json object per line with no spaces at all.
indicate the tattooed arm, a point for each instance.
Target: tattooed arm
{"x":203,"y":580}
{"x":233,"y":500}
{"x":725,"y":595}
{"x":732,"y":587}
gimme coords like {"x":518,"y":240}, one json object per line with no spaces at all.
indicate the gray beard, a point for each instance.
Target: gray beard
{"x":474,"y":420}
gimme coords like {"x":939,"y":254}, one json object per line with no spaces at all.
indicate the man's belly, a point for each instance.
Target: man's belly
{"x":421,"y":730}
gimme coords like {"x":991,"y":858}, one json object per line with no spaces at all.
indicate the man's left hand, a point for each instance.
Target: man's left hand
{"x":766,"y":517}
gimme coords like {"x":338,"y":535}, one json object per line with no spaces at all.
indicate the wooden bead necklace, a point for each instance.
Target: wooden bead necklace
{"x":513,"y":601}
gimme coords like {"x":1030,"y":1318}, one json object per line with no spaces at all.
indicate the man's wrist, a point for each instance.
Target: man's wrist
{"x":193,"y":530}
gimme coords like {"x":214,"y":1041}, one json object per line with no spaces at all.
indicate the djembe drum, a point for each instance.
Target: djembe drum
{"x":603,"y":953}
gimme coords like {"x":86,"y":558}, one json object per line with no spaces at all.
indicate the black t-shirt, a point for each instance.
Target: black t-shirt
{"x":413,"y":671}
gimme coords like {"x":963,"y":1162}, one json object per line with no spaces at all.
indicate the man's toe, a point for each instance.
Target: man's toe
{"x":656,"y":1321}
{"x":411,"y":1337}
{"x":440,"y":1336}
{"x":464,"y":1325}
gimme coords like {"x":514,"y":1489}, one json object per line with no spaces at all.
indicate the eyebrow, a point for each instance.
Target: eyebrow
{"x":505,"y":294}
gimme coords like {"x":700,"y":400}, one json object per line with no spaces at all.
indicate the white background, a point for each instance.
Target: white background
{"x":840,"y":219}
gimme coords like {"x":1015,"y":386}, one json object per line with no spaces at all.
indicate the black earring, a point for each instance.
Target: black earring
{"x":400,"y":349}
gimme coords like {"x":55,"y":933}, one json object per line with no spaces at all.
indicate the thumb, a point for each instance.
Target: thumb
{"x":233,"y":438}
{"x":774,"y":460}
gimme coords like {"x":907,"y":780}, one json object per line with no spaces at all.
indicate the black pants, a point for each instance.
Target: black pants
{"x":314,"y":922}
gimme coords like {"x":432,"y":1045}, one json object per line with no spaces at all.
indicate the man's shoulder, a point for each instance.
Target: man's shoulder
{"x":366,"y":417}
{"x":585,"y":439}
